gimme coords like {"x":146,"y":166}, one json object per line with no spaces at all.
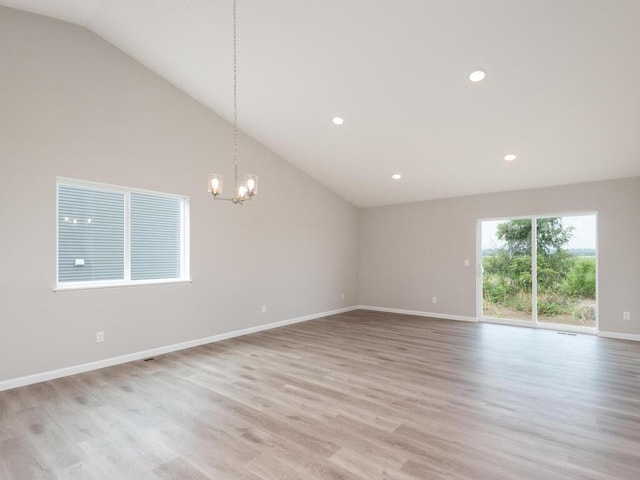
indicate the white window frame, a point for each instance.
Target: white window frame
{"x":185,"y":275}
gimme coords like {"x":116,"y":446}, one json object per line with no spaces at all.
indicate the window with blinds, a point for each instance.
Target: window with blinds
{"x":156,"y":231}
{"x":109,"y":236}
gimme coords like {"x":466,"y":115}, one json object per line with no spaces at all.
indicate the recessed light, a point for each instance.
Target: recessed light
{"x":396,"y":176}
{"x":337,"y":120}
{"x":477,"y":75}
{"x":510,"y":157}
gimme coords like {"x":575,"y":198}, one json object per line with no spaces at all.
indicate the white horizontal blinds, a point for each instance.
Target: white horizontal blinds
{"x":90,"y":234}
{"x":156,"y":228}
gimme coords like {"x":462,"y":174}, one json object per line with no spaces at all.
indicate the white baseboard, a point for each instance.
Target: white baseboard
{"x":444,"y":316}
{"x":130,"y":357}
{"x":620,"y":336}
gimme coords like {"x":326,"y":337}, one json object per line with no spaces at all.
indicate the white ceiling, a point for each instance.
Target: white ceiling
{"x":562,"y":88}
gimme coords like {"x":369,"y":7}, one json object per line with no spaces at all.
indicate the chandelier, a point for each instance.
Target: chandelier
{"x":245,"y":190}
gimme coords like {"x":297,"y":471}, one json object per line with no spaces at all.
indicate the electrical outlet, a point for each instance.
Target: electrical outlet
{"x":342,"y":296}
{"x":264,"y":309}
{"x":434,"y":300}
{"x":466,"y":262}
{"x":626,"y":315}
{"x":99,"y":336}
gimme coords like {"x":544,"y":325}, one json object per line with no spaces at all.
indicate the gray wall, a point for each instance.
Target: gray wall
{"x":410,"y":253}
{"x":74,"y":106}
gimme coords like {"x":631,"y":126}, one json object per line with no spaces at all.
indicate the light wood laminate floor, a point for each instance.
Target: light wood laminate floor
{"x":362,"y":395}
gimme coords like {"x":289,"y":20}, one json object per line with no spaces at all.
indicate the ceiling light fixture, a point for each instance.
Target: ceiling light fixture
{"x":396,"y":176}
{"x":337,"y":120}
{"x":477,"y":75}
{"x":510,"y":157}
{"x":245,"y":190}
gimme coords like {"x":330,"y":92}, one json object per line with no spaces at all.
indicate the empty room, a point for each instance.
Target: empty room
{"x":338,"y":239}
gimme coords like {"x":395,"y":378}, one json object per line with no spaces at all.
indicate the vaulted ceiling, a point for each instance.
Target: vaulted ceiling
{"x":561,"y":89}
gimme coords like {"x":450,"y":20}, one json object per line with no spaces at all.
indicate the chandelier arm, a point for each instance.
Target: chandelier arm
{"x":226,"y":199}
{"x":232,"y":199}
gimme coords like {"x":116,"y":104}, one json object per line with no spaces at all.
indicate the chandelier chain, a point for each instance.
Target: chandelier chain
{"x":235,"y":94}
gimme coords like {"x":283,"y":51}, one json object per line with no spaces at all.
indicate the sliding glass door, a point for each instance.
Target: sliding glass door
{"x":551,"y":281}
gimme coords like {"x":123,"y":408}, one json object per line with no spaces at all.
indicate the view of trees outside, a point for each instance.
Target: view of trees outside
{"x":566,"y":269}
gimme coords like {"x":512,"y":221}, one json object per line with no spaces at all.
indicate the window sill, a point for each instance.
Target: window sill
{"x":144,"y":283}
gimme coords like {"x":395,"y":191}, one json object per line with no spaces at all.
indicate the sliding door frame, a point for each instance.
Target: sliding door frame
{"x":533,"y":323}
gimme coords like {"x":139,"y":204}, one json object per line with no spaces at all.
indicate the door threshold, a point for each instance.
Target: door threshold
{"x":541,"y":325}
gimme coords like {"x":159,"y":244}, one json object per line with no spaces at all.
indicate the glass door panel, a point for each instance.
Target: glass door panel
{"x":507,"y":269}
{"x":566,"y":270}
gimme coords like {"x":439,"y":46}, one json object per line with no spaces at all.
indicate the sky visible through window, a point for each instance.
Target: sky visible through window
{"x":584,"y":232}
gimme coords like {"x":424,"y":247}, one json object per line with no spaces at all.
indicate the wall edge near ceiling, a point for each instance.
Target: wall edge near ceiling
{"x":620,"y":336}
{"x":444,"y":316}
{"x":130,"y":357}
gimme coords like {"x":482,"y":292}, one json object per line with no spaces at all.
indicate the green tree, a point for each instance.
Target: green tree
{"x":551,"y":235}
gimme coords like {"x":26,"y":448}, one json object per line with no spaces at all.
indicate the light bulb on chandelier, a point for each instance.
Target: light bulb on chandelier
{"x":246,"y":190}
